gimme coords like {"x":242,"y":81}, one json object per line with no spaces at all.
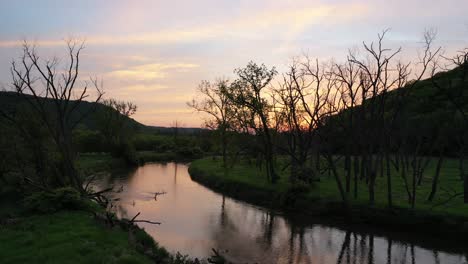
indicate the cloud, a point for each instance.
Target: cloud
{"x":132,"y":89}
{"x":291,"y":20}
{"x":148,"y":72}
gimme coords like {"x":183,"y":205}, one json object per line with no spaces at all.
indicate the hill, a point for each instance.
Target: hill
{"x":427,"y":112}
{"x":11,"y":102}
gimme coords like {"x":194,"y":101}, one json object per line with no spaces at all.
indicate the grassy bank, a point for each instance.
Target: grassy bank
{"x":246,"y":182}
{"x":61,"y":226}
{"x":64,"y":228}
{"x":65,"y":237}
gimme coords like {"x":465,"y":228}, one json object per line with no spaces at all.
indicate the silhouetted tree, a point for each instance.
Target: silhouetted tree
{"x":246,"y":94}
{"x":55,"y":95}
{"x":214,"y":101}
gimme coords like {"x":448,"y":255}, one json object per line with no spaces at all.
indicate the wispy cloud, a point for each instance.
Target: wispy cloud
{"x":147,"y":72}
{"x":292,"y":21}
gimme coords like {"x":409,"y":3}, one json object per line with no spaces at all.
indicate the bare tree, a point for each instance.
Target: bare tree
{"x":292,"y":120}
{"x":376,"y":81}
{"x":215,"y":102}
{"x":349,"y":85}
{"x":55,"y":94}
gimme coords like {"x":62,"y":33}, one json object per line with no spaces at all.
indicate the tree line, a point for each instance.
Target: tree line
{"x":355,"y":119}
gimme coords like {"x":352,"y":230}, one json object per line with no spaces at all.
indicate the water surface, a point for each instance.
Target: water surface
{"x":195,"y":220}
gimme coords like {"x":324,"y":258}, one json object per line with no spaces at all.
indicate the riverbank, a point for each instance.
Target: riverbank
{"x":245,"y":182}
{"x":65,"y":237}
{"x":49,"y":232}
{"x":90,"y":163}
{"x":61,"y":226}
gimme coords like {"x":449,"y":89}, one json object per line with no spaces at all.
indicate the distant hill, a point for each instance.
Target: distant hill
{"x":426,"y":111}
{"x":11,"y":102}
{"x":426,"y":100}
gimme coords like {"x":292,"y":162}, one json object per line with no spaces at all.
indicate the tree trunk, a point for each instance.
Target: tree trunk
{"x":404,"y":167}
{"x":389,"y":181}
{"x":337,"y":179}
{"x":269,"y":152}
{"x":363,"y":167}
{"x":372,"y":175}
{"x":465,"y":178}
{"x":435,"y":181}
{"x":348,"y":173}
{"x":356,"y":172}
{"x":224,"y":147}
{"x":414,"y":182}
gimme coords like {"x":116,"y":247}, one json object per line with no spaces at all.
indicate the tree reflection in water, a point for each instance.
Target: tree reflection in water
{"x":196,"y":219}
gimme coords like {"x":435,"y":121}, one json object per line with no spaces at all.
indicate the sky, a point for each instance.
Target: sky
{"x":156,"y":52}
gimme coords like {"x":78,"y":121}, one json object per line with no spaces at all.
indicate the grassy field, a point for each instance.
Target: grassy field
{"x":65,"y":237}
{"x":249,"y":179}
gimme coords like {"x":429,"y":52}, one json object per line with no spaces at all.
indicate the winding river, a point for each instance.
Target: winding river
{"x":195,"y":219}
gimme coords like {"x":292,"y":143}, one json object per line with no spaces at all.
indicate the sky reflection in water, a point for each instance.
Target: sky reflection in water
{"x":196,"y":219}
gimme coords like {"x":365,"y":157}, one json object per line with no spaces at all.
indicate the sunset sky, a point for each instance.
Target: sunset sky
{"x":155,"y":53}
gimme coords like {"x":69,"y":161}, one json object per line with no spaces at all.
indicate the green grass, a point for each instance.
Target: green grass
{"x":65,"y":237}
{"x":99,"y":162}
{"x":326,"y":189}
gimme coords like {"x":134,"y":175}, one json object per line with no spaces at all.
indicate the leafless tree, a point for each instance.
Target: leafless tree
{"x":215,"y":102}
{"x":55,"y":94}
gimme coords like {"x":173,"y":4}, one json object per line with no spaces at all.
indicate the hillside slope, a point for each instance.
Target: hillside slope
{"x":11,"y":102}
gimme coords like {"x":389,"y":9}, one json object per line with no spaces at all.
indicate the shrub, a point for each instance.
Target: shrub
{"x":189,"y":152}
{"x":59,"y":199}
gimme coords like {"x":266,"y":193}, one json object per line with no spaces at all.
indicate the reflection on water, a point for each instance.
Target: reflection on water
{"x":195,"y":220}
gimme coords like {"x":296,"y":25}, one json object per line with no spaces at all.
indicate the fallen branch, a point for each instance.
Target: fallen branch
{"x":158,"y":193}
{"x":147,"y":221}
{"x":89,"y":182}
{"x":133,"y":220}
{"x":101,"y":192}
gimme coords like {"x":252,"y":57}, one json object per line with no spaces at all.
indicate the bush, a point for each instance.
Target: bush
{"x":130,"y":154}
{"x":126,"y":151}
{"x":89,"y":141}
{"x":189,"y":152}
{"x":59,"y":199}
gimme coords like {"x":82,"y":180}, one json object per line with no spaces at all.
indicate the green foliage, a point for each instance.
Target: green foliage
{"x":128,"y":153}
{"x":49,"y":202}
{"x":89,"y":141}
{"x":153,"y":142}
{"x":152,"y":156}
{"x":144,"y":239}
{"x":183,"y":259}
{"x":189,"y":152}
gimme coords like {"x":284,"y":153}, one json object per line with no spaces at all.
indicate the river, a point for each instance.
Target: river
{"x":195,"y":219}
